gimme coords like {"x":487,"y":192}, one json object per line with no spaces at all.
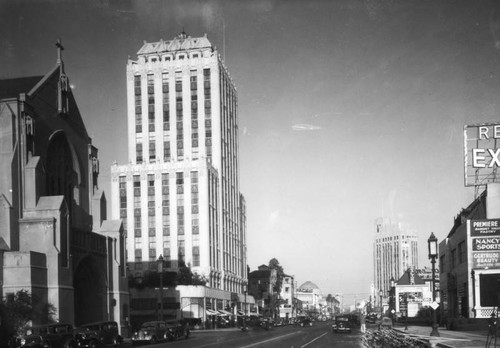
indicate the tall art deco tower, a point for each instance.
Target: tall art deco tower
{"x":395,"y":249}
{"x":179,"y":195}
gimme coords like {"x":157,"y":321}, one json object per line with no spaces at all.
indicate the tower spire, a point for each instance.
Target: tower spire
{"x":60,"y":48}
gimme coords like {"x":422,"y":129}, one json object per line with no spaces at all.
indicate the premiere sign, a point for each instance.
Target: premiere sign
{"x":485,"y":243}
{"x":481,"y":154}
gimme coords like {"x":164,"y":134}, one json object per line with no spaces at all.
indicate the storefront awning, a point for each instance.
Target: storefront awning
{"x":211,"y":312}
{"x":223,"y":312}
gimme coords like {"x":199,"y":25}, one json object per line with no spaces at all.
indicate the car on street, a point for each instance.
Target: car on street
{"x":150,"y":332}
{"x":385,"y":323}
{"x":176,"y":329}
{"x":305,"y":321}
{"x":98,"y":335}
{"x":341,"y":323}
{"x":53,"y":336}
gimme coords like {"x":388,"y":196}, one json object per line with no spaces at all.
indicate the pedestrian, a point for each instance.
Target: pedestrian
{"x":362,"y":320}
{"x":492,"y":324}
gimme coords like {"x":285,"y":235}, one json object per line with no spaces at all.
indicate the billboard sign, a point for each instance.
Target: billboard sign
{"x":481,"y":154}
{"x":485,"y":243}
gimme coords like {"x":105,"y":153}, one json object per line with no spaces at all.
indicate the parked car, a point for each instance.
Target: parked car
{"x":341,"y":324}
{"x":306,"y":321}
{"x":267,"y":323}
{"x":385,"y":323}
{"x":150,"y":332}
{"x":53,"y":336}
{"x":98,"y":335}
{"x":176,"y":329}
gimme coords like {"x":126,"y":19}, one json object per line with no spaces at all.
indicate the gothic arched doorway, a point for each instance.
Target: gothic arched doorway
{"x":90,"y":291}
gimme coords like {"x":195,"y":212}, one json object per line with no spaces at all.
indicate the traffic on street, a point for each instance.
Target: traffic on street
{"x":319,"y":334}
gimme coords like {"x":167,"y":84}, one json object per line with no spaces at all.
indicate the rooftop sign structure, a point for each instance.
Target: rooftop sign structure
{"x":481,"y":154}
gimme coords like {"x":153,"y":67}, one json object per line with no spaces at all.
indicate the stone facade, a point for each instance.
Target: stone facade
{"x":55,"y":239}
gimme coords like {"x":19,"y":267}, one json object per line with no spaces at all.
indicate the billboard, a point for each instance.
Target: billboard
{"x":481,"y":154}
{"x":485,"y":243}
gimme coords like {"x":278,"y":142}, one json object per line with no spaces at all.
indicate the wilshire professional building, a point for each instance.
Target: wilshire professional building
{"x":395,"y":249}
{"x":179,"y":195}
{"x":55,"y":239}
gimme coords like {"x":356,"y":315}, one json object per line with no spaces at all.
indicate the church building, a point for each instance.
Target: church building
{"x":55,"y":239}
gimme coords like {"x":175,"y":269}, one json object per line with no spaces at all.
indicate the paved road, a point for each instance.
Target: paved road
{"x":317,"y":336}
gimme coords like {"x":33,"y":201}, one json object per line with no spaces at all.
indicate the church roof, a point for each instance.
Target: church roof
{"x":181,"y":42}
{"x":11,"y":88}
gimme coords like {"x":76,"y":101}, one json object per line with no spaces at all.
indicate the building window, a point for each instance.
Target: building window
{"x":166,"y":257}
{"x":462,"y":252}
{"x":441,"y":264}
{"x":453,"y":258}
{"x":151,"y":103}
{"x":152,"y":150}
{"x":196,"y":256}
{"x":138,"y":151}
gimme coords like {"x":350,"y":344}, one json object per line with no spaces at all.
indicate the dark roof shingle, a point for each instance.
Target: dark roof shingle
{"x":11,"y":88}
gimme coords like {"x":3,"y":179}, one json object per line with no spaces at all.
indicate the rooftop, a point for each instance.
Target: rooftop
{"x":11,"y":88}
{"x":181,"y":42}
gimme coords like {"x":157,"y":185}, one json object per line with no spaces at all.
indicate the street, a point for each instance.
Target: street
{"x":319,"y":335}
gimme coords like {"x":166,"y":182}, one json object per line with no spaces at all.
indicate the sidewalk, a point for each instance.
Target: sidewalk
{"x":448,"y":338}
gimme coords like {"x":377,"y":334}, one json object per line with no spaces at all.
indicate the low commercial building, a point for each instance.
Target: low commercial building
{"x":469,"y":260}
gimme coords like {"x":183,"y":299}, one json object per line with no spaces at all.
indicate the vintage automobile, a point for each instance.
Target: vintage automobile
{"x":385,"y":323}
{"x":52,"y":335}
{"x":305,"y":321}
{"x":176,"y":329}
{"x":341,"y":324}
{"x":98,"y":335}
{"x":150,"y":332}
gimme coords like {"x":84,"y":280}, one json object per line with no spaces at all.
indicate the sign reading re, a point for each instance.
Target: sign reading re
{"x":482,"y":154}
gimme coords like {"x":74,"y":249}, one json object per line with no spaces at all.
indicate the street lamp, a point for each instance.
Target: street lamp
{"x":392,"y":299}
{"x":433,"y":253}
{"x":160,"y":272}
{"x":245,"y":289}
{"x":381,"y":293}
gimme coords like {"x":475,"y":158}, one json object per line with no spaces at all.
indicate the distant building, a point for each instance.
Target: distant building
{"x":310,"y":296}
{"x":395,"y":249}
{"x":413,"y":292}
{"x":287,"y":296}
{"x":179,"y":195}
{"x":260,"y":286}
{"x":55,"y":239}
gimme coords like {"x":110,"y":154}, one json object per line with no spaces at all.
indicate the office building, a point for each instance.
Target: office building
{"x":179,"y":195}
{"x":395,"y":249}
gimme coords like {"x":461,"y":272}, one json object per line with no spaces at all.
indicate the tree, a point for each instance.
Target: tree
{"x":276,"y":282}
{"x":18,"y":309}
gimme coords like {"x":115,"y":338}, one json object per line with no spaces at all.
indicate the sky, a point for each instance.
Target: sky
{"x":348,"y":110}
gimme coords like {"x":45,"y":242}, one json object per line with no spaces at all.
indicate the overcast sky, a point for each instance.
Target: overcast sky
{"x":348,"y":110}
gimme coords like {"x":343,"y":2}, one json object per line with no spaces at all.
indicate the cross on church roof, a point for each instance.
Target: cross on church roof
{"x":60,"y":48}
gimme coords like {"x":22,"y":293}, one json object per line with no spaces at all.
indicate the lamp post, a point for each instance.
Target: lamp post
{"x":381,"y":293}
{"x":392,"y":299}
{"x":160,"y":272}
{"x":406,"y":311}
{"x":433,"y":253}
{"x":245,"y":289}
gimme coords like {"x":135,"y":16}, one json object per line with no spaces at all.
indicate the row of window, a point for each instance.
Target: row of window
{"x":152,"y":156}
